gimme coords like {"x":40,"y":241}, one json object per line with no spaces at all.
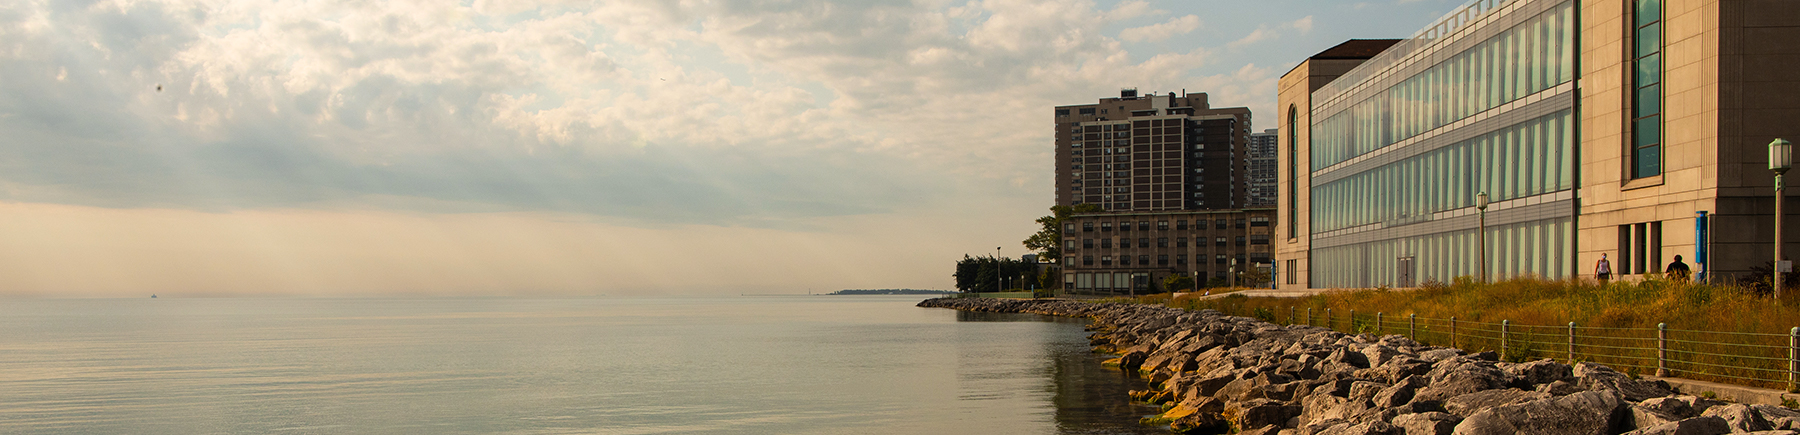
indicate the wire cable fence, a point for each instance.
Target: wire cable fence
{"x":1752,"y":359}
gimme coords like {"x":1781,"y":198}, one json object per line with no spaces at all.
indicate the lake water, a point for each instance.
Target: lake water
{"x":775,"y":365}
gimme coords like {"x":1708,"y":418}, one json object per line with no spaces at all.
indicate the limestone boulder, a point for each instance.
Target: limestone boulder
{"x":1740,"y":417}
{"x":1469,"y":404}
{"x":1262,"y":412}
{"x":1542,"y":371}
{"x":1427,"y":423}
{"x":1585,"y":413}
{"x":1692,"y":426}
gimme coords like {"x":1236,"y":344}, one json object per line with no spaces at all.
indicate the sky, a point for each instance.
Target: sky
{"x":569,"y":148}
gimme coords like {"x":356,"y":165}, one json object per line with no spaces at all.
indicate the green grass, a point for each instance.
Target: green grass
{"x":1716,"y":333}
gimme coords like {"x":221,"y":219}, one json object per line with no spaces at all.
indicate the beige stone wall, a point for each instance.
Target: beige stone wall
{"x":1295,"y":91}
{"x":1691,"y":140}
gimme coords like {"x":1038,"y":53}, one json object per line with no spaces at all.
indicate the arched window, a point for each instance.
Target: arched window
{"x":1293,"y":142}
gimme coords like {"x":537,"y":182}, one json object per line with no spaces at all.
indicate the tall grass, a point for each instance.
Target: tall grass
{"x":1714,"y":332}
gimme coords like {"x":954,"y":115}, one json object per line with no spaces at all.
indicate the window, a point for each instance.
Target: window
{"x":1219,"y":259}
{"x":1087,"y":260}
{"x":1259,"y":221}
{"x":1107,"y":260}
{"x":1062,"y":112}
{"x":1124,"y":260}
{"x":1162,"y":242}
{"x":1067,"y":226}
{"x":1087,"y":227}
{"x":1106,"y":226}
{"x":1069,"y":244}
{"x":1162,"y":225}
{"x":1181,"y":225}
{"x":1289,"y":270}
{"x":1220,"y":224}
{"x":1646,"y":101}
{"x":1219,"y":241}
{"x":1238,"y":223}
{"x":1259,"y":239}
{"x":1145,"y":260}
{"x":1181,"y":242}
{"x":1069,"y":260}
{"x":1293,"y":191}
{"x":1106,"y":243}
{"x":1124,"y":226}
{"x":1087,"y":243}
{"x":1144,"y":242}
{"x":1143,"y":225}
{"x":1162,"y":260}
{"x":1240,"y":240}
{"x":1086,"y":111}
{"x":1180,"y":258}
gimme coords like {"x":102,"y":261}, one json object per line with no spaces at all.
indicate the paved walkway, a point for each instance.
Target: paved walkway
{"x":1269,"y":293}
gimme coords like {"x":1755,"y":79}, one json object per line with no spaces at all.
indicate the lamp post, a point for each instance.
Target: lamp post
{"x":1481,"y":203}
{"x":1781,"y":157}
{"x":997,"y":273}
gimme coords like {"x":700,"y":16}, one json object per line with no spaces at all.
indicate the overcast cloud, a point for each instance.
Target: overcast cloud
{"x":838,"y":123}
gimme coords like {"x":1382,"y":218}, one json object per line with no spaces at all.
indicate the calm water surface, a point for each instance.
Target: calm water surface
{"x":840,"y":364}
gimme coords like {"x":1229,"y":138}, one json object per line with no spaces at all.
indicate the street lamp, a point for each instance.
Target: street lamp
{"x":997,"y":275}
{"x":1781,"y":157}
{"x":1481,"y":203}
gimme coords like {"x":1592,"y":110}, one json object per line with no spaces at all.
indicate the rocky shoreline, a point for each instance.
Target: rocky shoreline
{"x":1222,"y":374}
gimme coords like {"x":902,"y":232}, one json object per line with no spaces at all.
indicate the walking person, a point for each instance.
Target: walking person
{"x":1677,"y":271}
{"x":1603,"y":270}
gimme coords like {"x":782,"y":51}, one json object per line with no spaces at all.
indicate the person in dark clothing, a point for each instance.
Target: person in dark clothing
{"x":1677,"y":271}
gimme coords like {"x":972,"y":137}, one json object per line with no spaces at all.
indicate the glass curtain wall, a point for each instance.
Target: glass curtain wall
{"x":1526,"y":159}
{"x":1535,"y":248}
{"x":1530,"y":57}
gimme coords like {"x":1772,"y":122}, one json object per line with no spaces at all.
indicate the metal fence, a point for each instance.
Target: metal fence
{"x":1752,"y":359}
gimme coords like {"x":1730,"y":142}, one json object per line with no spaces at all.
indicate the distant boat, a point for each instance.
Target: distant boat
{"x":152,"y":296}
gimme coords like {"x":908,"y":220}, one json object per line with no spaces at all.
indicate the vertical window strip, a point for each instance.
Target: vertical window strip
{"x":1646,"y":100}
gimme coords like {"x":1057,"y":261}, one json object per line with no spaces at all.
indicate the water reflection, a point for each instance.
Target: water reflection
{"x":1088,"y":398}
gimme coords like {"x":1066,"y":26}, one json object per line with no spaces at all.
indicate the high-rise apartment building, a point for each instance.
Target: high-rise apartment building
{"x":1636,"y":129}
{"x":1262,"y":189}
{"x":1152,"y":153}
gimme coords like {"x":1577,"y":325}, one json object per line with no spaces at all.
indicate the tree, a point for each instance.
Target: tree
{"x":1178,"y":282}
{"x":1047,"y":242}
{"x":984,"y":274}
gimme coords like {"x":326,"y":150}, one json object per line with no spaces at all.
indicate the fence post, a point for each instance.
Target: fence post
{"x":1377,"y":323}
{"x":1290,"y":315}
{"x":1571,"y":343}
{"x":1794,"y":360}
{"x":1504,"y":324}
{"x":1308,"y":316}
{"x":1350,"y":326}
{"x":1412,"y":326}
{"x":1328,"y":322}
{"x":1662,"y":349}
{"x":1453,"y":331}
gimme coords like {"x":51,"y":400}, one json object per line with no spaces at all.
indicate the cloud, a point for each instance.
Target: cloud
{"x":1161,"y":31}
{"x":1265,"y":32}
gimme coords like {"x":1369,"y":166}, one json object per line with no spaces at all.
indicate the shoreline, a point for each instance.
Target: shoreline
{"x":1214,"y":373}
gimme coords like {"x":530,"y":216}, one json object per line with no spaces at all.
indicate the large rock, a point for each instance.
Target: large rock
{"x":1692,"y":426}
{"x":1469,"y":404}
{"x":1398,"y":394}
{"x":1542,"y":371}
{"x":1459,"y":376}
{"x":1376,"y":427}
{"x":1672,"y":406}
{"x":1644,"y":417}
{"x":1262,"y":412}
{"x":1741,"y":417}
{"x":1586,"y":413}
{"x":1781,"y":418}
{"x":1427,"y":423}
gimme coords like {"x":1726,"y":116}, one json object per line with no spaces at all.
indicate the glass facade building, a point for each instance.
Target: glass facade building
{"x":1399,"y":147}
